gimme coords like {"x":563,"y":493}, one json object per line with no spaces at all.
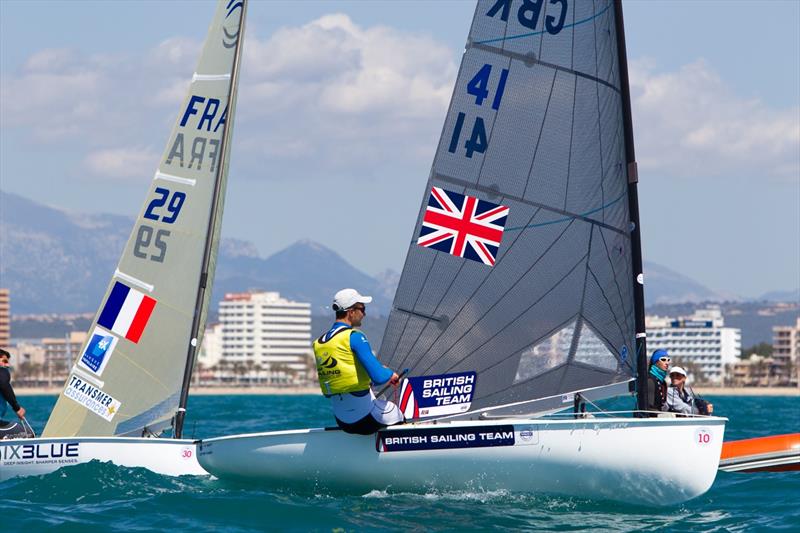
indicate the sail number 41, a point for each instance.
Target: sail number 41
{"x":478,"y":87}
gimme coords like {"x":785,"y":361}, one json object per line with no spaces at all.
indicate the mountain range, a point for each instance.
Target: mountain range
{"x":56,"y":261}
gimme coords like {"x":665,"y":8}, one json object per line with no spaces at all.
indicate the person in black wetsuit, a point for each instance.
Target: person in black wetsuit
{"x":657,"y":381}
{"x":9,"y":429}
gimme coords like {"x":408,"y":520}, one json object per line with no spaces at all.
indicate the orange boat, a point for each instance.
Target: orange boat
{"x":778,"y":453}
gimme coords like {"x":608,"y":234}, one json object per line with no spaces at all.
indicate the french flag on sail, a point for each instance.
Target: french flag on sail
{"x":126,"y":312}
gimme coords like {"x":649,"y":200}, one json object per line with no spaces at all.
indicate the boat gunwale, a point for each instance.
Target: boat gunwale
{"x":639,"y":422}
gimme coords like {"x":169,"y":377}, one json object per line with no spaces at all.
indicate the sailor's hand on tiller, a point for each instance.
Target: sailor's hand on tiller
{"x":21,"y":413}
{"x":395,"y":379}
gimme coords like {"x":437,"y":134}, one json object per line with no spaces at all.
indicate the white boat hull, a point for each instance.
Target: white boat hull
{"x":652,"y":460}
{"x":32,"y":457}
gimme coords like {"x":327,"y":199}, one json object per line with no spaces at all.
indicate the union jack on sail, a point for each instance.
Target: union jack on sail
{"x":463,"y":226}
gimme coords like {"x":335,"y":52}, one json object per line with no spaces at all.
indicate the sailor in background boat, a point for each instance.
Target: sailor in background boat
{"x":346,"y":365}
{"x":9,"y":430}
{"x":657,"y":381}
{"x":681,"y":399}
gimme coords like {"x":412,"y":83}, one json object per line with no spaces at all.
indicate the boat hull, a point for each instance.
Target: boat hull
{"x":622,"y":459}
{"x":32,"y":457}
{"x":776,"y":453}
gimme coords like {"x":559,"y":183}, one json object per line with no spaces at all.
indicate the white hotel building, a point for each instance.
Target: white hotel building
{"x":261,"y":329}
{"x":701,"y":339}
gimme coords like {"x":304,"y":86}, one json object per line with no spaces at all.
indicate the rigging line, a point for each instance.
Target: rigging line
{"x":614,"y":273}
{"x":475,"y":291}
{"x":604,"y":338}
{"x":541,"y":130}
{"x":530,"y":60}
{"x":548,"y":334}
{"x":510,"y":322}
{"x":576,"y":333}
{"x":428,"y":184}
{"x":467,"y":300}
{"x":581,"y":216}
{"x":572,"y":123}
{"x":599,"y":122}
{"x":502,"y":296}
{"x":568,"y":215}
{"x":461,"y":266}
{"x":523,"y":35}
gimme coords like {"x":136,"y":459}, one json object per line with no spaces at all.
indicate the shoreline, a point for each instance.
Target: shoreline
{"x":309,"y":390}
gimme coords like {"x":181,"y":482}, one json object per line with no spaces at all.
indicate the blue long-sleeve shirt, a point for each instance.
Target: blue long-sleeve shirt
{"x":378,"y":373}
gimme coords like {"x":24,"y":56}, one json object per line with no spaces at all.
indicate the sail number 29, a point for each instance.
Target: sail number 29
{"x":165,"y":207}
{"x":479,"y":87}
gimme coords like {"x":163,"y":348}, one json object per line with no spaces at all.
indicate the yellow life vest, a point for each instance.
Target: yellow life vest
{"x":338,"y":369}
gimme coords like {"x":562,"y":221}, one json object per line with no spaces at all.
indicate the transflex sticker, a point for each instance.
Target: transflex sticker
{"x":98,"y":351}
{"x":434,"y":438}
{"x":443,"y":394}
{"x":91,"y":398}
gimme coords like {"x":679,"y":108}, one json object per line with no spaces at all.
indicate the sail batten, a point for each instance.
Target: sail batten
{"x":534,"y":127}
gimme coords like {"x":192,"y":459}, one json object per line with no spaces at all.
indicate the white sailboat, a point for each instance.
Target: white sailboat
{"x":521,"y":294}
{"x":131,"y":381}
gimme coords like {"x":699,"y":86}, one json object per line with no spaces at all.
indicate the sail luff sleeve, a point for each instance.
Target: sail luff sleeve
{"x":532,"y":288}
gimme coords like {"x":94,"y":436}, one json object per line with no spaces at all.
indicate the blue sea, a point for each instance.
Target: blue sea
{"x":101,"y":497}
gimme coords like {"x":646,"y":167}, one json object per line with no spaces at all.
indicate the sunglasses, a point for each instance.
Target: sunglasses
{"x":676,"y":376}
{"x":359,"y":308}
{"x":665,"y":359}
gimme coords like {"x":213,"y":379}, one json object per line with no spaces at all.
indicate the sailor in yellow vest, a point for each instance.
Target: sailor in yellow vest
{"x":346,"y":366}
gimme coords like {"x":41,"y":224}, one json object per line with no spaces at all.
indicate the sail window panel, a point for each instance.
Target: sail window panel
{"x":577,"y":377}
{"x":548,"y":176}
{"x":608,"y":295}
{"x":591,"y":350}
{"x":477,"y":283}
{"x":541,"y":386}
{"x":518,"y":126}
{"x":523,"y":316}
{"x":546,"y":354}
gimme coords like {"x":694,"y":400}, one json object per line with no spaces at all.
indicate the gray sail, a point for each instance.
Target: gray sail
{"x":128,"y":377}
{"x":520,"y":264}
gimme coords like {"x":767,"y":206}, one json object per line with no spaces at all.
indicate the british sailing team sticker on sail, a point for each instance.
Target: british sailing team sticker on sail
{"x":126,"y":312}
{"x":439,"y":395}
{"x":463,"y":226}
{"x":98,"y":351}
{"x":445,"y":438}
{"x":92,"y":398}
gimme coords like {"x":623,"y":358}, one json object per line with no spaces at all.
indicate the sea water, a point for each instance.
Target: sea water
{"x":101,"y":497}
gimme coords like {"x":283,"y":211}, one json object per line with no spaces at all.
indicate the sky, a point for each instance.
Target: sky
{"x":341,"y":105}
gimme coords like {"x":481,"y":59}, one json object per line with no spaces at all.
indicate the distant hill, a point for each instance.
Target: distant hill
{"x":781,"y":296}
{"x":56,"y":261}
{"x":665,"y":286}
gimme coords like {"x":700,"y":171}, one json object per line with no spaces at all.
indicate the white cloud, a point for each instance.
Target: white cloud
{"x":328,"y":95}
{"x":122,"y":163}
{"x":690,"y":123}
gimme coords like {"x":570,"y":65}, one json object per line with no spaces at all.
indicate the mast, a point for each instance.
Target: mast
{"x":633,"y":208}
{"x":209,"y":244}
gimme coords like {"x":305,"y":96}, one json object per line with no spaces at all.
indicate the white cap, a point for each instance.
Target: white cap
{"x":677,"y":370}
{"x":347,"y":298}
